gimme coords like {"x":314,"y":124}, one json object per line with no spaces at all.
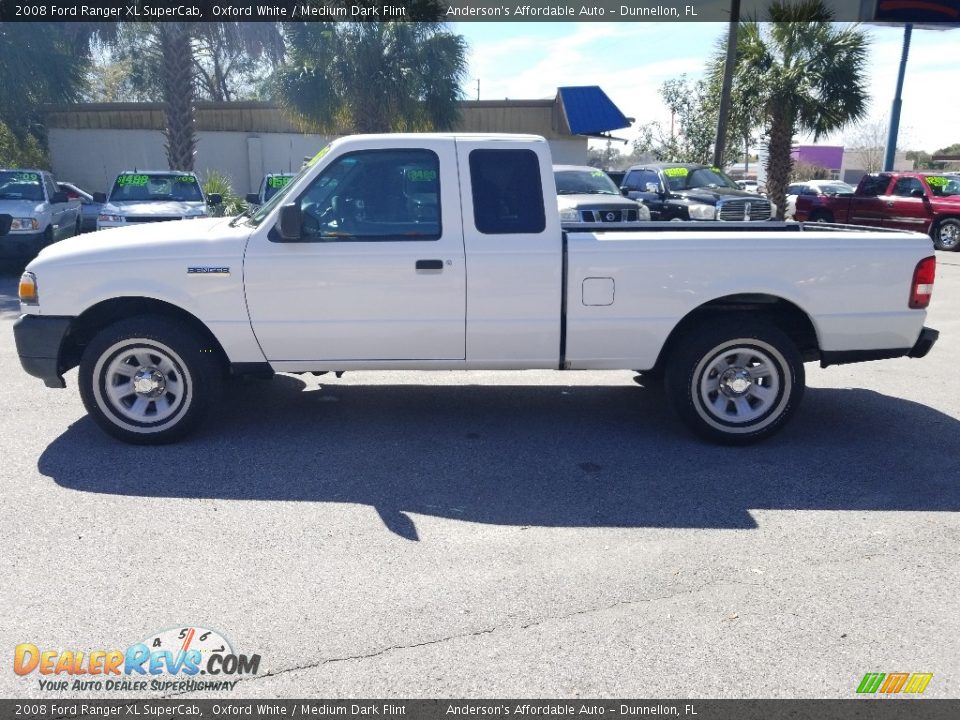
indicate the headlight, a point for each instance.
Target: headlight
{"x":28,"y":289}
{"x":569,"y":215}
{"x":110,"y":218}
{"x":643,"y":212}
{"x":25,"y":224}
{"x":700,"y":211}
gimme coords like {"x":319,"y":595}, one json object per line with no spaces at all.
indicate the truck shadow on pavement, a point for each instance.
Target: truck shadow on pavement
{"x":554,"y":456}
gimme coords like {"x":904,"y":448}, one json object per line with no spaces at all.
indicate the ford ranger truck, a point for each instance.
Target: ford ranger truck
{"x":33,"y":213}
{"x":445,"y":251}
{"x":923,"y":202}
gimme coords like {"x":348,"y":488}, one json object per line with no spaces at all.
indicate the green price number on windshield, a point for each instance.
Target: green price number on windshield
{"x":421,"y":175}
{"x":135,"y":180}
{"x":676,"y":172}
{"x":27,"y":177}
{"x":186,"y":179}
{"x":937,"y":181}
{"x":278,"y":182}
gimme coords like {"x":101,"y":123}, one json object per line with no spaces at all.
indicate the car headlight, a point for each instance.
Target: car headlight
{"x":569,"y":215}
{"x":701,"y":211}
{"x":25,"y":224}
{"x":104,"y":217}
{"x":643,"y":212}
{"x":28,"y":289}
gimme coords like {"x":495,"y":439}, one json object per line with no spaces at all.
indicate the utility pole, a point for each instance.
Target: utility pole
{"x":720,"y":146}
{"x":478,"y":88}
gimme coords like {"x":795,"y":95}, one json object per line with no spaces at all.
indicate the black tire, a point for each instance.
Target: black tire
{"x":946,"y":235}
{"x":179,"y":373}
{"x":758,"y":390}
{"x":821,"y":216}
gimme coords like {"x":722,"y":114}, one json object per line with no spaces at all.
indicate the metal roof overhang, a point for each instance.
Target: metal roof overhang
{"x":588,"y":111}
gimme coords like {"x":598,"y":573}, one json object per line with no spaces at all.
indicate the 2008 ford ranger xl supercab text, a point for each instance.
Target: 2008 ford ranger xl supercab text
{"x":446,"y":252}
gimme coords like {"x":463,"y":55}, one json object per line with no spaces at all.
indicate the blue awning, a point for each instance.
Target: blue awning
{"x":589,"y":111}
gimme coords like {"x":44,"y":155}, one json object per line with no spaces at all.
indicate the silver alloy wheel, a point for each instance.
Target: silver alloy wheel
{"x":142,"y":385}
{"x":949,"y":235}
{"x":741,"y":386}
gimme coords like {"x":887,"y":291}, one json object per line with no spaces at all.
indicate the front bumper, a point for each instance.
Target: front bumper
{"x":39,"y":339}
{"x":928,"y":336}
{"x":20,"y":246}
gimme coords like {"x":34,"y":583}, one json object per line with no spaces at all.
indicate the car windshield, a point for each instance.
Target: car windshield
{"x":943,"y":186}
{"x":20,"y":185}
{"x":683,"y":178}
{"x":275,"y":183}
{"x":588,"y":182}
{"x":836,"y":189}
{"x":155,"y":187}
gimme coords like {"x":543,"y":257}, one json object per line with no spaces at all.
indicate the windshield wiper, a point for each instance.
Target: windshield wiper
{"x":246,"y":212}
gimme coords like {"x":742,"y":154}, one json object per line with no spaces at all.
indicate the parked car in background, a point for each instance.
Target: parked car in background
{"x":33,"y":213}
{"x":814,"y":189}
{"x":89,"y":208}
{"x":922,"y":202}
{"x":617,"y":176}
{"x":687,"y":191}
{"x":752,"y":186}
{"x":588,"y":195}
{"x":141,"y":196}
{"x":271,"y":184}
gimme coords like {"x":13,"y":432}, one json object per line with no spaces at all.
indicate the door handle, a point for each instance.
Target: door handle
{"x":429,"y":264}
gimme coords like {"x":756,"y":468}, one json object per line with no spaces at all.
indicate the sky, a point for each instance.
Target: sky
{"x":631,"y":60}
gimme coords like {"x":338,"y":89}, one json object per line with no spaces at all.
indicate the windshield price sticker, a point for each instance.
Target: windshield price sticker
{"x":676,"y":172}
{"x":131,"y":180}
{"x":597,"y":173}
{"x":278,"y":182}
{"x":27,"y":177}
{"x":421,"y":175}
{"x":186,"y":179}
{"x":937,"y":181}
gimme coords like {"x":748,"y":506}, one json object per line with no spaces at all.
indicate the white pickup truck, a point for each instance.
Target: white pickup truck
{"x":442,"y":251}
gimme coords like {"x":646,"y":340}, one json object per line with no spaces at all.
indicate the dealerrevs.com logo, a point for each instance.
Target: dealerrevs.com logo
{"x":176,"y":659}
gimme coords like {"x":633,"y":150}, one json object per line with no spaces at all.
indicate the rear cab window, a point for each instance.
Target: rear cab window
{"x":507,"y":192}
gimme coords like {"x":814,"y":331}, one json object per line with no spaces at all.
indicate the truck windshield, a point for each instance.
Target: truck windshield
{"x":942,"y":186}
{"x":150,"y":187}
{"x":683,"y":178}
{"x":586,"y":182}
{"x":20,"y":185}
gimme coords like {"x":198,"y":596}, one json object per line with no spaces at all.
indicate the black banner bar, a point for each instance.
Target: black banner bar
{"x":187,"y":709}
{"x":944,"y":13}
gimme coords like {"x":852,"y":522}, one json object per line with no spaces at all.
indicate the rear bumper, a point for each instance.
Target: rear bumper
{"x":928,"y":336}
{"x":38,"y":339}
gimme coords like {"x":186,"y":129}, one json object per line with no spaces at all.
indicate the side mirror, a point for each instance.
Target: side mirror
{"x":917,"y":193}
{"x":290,"y":222}
{"x":652,"y":188}
{"x":100,"y":198}
{"x":214,"y":199}
{"x":59,"y":197}
{"x":253,"y":199}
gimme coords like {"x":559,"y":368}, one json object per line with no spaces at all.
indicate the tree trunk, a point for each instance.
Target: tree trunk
{"x":779,"y":161}
{"x":178,"y":94}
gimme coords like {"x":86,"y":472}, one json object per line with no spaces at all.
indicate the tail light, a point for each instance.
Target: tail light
{"x":922,"y":287}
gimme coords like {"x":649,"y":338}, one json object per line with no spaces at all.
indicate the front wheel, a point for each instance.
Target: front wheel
{"x":946,"y":235}
{"x":735,"y":382}
{"x":148,"y":381}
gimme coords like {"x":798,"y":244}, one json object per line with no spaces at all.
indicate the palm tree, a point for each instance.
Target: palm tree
{"x":373,"y":77}
{"x":807,"y":75}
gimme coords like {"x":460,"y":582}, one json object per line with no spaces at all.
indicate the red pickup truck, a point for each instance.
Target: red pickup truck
{"x":922,"y":202}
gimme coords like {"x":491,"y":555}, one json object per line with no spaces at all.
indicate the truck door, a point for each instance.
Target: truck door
{"x":646,"y":186}
{"x":907,"y":206}
{"x":868,"y":204}
{"x":378,"y":273}
{"x":514,"y":244}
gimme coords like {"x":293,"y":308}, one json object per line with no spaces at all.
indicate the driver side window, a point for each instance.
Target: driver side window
{"x":375,"y":195}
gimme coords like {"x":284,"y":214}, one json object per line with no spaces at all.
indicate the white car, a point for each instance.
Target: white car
{"x":813,"y":187}
{"x":588,"y":195}
{"x":143,"y":196}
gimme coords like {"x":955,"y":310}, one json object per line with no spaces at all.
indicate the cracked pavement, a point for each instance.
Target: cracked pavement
{"x":518,"y":534}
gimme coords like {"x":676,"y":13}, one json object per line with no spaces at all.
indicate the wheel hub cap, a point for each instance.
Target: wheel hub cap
{"x":735,"y":381}
{"x":149,"y":382}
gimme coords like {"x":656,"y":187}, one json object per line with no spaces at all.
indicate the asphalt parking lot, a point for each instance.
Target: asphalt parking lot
{"x":500,"y":534}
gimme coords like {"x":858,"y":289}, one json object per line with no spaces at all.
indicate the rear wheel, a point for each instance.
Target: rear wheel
{"x":735,"y":381}
{"x":149,"y":381}
{"x":821,"y":216}
{"x":946,"y":235}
